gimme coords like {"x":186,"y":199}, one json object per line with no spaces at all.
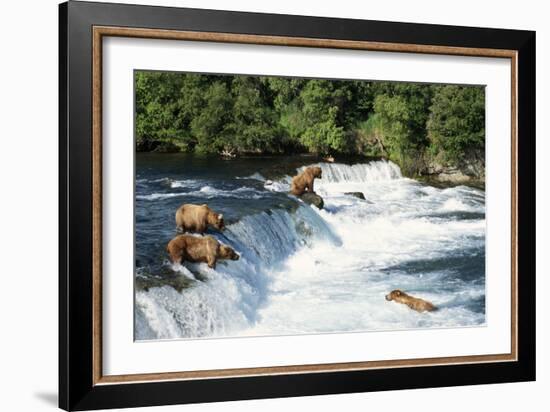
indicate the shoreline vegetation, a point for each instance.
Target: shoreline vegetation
{"x":433,"y":132}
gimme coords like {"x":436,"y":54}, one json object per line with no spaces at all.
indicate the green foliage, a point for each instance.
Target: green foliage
{"x":408,"y":123}
{"x":322,"y":105}
{"x":398,"y":123}
{"x":211,"y":126}
{"x":367,"y":137}
{"x":324,"y":136}
{"x":293,"y":121}
{"x":156,"y":102}
{"x":395,"y":118}
{"x":253,"y":125}
{"x":456,"y":125}
{"x":285,"y":90}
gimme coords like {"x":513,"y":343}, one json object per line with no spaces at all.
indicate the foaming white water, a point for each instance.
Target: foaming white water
{"x":341,"y":174}
{"x":311,"y":271}
{"x":327,"y":289}
{"x":170,"y":314}
{"x":454,"y":204}
{"x":156,"y":196}
{"x":211,"y":192}
{"x":225,"y":301}
{"x":207,"y":192}
{"x":381,"y":170}
{"x":253,"y":176}
{"x":187,"y":183}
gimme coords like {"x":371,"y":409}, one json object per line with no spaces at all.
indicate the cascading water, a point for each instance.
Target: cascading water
{"x":360,"y":173}
{"x":308,"y":271}
{"x":228,"y":298}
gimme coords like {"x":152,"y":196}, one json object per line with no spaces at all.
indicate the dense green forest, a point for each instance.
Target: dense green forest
{"x":414,"y":125}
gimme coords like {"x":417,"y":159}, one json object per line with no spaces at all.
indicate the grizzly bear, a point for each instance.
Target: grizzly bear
{"x":305,"y":180}
{"x":196,"y":218}
{"x":205,"y":249}
{"x":420,"y":305}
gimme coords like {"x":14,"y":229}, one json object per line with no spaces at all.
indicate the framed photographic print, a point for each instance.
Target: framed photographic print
{"x":256,"y":205}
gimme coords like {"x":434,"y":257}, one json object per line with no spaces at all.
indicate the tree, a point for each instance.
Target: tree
{"x":253,"y":121}
{"x":394,"y":119}
{"x":284,"y":90}
{"x":211,"y":126}
{"x":156,"y":109}
{"x":456,"y":125}
{"x":407,"y":122}
{"x":325,"y":137}
{"x":321,"y":107}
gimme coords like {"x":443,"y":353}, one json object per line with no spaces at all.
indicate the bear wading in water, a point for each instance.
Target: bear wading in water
{"x":197,"y":218}
{"x":195,"y":249}
{"x":305,"y":180}
{"x":420,"y":305}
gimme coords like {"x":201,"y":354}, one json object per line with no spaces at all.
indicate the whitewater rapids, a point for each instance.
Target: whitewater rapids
{"x":304,"y":270}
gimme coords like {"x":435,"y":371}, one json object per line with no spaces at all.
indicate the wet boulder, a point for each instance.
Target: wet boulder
{"x":313,"y":199}
{"x":358,"y":195}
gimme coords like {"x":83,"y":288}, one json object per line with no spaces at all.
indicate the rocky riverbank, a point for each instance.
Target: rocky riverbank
{"x":470,"y":171}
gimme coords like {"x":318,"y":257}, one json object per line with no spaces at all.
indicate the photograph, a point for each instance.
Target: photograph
{"x":281,"y":203}
{"x":276,"y":206}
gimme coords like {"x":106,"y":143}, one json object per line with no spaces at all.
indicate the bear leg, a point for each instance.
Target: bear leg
{"x":211,"y":261}
{"x":176,"y":257}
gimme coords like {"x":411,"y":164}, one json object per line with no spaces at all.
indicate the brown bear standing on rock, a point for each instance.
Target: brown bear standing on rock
{"x":199,"y":249}
{"x":420,"y":305}
{"x":196,"y":218}
{"x":305,"y":180}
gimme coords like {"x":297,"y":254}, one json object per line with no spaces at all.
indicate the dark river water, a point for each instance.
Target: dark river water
{"x":303,"y":270}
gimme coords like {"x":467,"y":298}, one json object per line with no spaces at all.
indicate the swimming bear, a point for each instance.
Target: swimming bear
{"x":420,"y":305}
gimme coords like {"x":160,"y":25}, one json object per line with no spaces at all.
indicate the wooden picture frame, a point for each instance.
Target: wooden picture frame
{"x":82,"y":384}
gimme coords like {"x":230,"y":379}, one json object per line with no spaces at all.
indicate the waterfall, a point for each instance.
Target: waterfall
{"x":304,"y":270}
{"x":360,"y":173}
{"x":376,"y":171}
{"x":227,"y":300}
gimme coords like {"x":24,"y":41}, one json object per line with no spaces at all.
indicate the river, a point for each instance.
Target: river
{"x":304,"y":270}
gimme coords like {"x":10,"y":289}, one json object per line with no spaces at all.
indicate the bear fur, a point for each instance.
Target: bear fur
{"x":205,"y":249}
{"x":304,"y":181}
{"x":420,"y":305}
{"x":197,"y":218}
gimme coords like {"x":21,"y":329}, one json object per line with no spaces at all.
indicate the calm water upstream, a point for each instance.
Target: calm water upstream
{"x":303,"y":270}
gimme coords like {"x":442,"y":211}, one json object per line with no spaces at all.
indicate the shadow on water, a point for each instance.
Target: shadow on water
{"x":476,"y":305}
{"x":466,"y":268}
{"x":455,"y":215}
{"x":453,"y":273}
